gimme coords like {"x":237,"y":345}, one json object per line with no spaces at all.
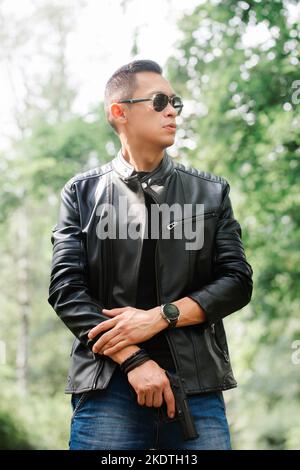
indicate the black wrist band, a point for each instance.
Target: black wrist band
{"x":136,"y":364}
{"x":134,"y":360}
{"x":138,"y":358}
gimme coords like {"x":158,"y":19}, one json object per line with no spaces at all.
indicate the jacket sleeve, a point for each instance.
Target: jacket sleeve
{"x":68,"y":291}
{"x":231,"y":287}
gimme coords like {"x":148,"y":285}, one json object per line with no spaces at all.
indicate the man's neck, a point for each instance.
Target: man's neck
{"x":143,"y":161}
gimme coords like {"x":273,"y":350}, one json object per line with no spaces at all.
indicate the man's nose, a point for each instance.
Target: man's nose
{"x":170,"y":111}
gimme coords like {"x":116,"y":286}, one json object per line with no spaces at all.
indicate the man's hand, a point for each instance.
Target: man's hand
{"x":128,"y":326}
{"x":152,"y":386}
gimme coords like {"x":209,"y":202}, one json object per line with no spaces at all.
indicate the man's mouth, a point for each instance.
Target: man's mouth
{"x":170,"y":127}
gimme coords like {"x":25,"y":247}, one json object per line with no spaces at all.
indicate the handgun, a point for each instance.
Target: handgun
{"x":182,"y":407}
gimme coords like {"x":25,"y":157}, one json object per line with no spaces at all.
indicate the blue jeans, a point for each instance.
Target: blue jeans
{"x":111,"y":419}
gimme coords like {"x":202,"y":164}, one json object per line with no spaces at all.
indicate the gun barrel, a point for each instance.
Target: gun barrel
{"x":188,"y":425}
{"x":186,"y":419}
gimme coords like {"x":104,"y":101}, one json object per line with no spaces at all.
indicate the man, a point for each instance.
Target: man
{"x":140,"y":305}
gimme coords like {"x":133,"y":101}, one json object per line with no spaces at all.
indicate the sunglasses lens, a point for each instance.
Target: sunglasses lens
{"x":177,"y":104}
{"x":160,"y":101}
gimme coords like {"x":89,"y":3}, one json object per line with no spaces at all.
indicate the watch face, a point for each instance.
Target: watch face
{"x":171,"y":311}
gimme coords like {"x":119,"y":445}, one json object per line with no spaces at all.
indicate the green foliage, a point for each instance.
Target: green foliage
{"x":12,"y":436}
{"x":34,"y":421}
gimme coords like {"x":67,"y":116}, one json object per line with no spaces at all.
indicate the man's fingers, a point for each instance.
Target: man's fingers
{"x":157,"y":399}
{"x":103,"y":326}
{"x":110,"y":337}
{"x":141,"y":398}
{"x":149,"y":398}
{"x":114,"y":311}
{"x":116,"y":348}
{"x":170,"y":401}
{"x":100,"y":344}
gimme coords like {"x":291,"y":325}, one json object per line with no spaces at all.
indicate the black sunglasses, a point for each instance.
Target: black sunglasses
{"x":159,"y":102}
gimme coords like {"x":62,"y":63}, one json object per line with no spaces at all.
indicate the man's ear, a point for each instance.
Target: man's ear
{"x":117,"y":111}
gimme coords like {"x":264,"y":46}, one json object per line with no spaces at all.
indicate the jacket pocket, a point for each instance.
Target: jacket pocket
{"x":195,"y":233}
{"x":210,"y":363}
{"x":183,"y":220}
{"x":215,"y":343}
{"x":84,"y":370}
{"x":98,"y":372}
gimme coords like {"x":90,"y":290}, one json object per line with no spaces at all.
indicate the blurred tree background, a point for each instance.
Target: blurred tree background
{"x":236,"y":64}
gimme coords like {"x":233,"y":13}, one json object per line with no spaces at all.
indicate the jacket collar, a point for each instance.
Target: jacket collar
{"x":158,"y":176}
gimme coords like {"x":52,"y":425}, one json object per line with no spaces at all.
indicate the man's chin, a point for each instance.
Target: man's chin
{"x":164,"y":143}
{"x":169,"y":140}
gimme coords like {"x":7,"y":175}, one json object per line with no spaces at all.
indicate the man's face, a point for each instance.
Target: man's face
{"x":143,"y":124}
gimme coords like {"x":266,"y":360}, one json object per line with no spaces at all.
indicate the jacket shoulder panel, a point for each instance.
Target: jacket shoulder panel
{"x":201,"y":174}
{"x":92,"y":173}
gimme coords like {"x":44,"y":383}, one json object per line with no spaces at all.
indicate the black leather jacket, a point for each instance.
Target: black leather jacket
{"x":89,"y":274}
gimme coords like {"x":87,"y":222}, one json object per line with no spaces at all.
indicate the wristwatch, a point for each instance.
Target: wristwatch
{"x":170,"y":312}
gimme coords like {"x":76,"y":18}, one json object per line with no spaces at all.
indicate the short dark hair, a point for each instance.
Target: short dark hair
{"x":122,"y":83}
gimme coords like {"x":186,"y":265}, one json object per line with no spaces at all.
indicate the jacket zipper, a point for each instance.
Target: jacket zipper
{"x":140,"y":248}
{"x":159,"y":303}
{"x":97,"y":373}
{"x":110,"y":255}
{"x":158,"y":293}
{"x":193,"y":217}
{"x":222,"y":351}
